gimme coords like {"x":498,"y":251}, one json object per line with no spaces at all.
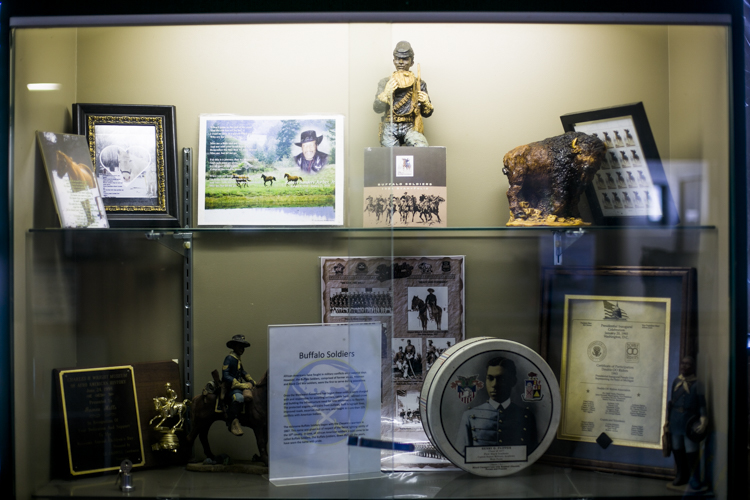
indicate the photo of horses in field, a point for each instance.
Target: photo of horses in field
{"x":270,"y":170}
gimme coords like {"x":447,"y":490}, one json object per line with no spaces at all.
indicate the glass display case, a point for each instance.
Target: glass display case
{"x":119,"y":296}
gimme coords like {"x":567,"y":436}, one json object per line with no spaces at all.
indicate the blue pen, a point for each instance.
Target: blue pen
{"x":377,"y":443}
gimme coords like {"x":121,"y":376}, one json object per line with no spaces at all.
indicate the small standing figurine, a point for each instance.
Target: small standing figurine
{"x":403,"y":100}
{"x":237,"y":382}
{"x":687,"y":421}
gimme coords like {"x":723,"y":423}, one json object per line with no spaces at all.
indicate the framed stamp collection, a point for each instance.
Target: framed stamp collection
{"x":631,"y":187}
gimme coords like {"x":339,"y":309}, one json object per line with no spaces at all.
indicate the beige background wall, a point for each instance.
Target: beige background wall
{"x":699,"y":132}
{"x":494,"y":87}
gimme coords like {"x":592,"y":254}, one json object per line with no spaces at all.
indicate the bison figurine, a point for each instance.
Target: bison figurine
{"x":548,"y":177}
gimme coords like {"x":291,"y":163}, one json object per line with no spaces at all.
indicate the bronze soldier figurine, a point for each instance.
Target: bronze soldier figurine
{"x":687,"y":421}
{"x":404,"y":101}
{"x":237,"y":382}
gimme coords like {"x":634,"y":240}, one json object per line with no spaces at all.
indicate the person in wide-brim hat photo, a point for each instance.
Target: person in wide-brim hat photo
{"x":310,"y":160}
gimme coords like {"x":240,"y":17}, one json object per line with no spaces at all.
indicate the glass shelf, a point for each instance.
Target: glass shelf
{"x":538,"y":481}
{"x":336,"y":229}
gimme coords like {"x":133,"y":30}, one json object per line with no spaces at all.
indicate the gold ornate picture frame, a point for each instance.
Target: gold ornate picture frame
{"x":134,"y":153}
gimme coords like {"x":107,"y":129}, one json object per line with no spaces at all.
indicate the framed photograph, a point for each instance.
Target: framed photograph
{"x":631,"y":187}
{"x":134,"y":153}
{"x":271,"y":170}
{"x":614,"y":337}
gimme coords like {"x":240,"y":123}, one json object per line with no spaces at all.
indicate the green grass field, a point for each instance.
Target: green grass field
{"x":315,"y":190}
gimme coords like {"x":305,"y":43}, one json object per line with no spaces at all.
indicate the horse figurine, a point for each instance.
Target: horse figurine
{"x":169,"y":407}
{"x":207,"y":409}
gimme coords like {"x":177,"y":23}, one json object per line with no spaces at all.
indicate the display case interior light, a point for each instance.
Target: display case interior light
{"x":40,"y":87}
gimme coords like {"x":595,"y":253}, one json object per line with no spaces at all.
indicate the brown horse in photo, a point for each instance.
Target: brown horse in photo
{"x":254,"y":415}
{"x":75,"y":171}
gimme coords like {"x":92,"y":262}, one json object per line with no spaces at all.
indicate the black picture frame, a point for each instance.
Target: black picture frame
{"x":150,"y":197}
{"x":631,"y":187}
{"x":675,"y":283}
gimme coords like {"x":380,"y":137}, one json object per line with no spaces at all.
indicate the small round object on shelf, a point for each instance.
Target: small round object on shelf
{"x":490,"y":406}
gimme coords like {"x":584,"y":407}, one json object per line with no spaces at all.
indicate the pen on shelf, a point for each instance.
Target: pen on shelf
{"x":377,"y":443}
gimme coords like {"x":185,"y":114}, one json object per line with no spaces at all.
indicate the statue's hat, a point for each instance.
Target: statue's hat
{"x":403,"y":49}
{"x":239,"y":341}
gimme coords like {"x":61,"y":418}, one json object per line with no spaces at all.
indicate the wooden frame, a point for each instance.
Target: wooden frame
{"x":133,"y":149}
{"x":631,"y":187}
{"x":672,"y":288}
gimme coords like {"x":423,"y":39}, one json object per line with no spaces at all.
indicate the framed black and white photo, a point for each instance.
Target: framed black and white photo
{"x":134,"y":152}
{"x":631,"y":187}
{"x":614,"y":337}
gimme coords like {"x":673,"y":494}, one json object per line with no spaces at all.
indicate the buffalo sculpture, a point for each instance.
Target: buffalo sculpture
{"x":548,"y":177}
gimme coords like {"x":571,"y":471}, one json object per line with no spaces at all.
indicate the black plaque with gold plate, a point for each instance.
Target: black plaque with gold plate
{"x":100,"y":415}
{"x":104,"y":415}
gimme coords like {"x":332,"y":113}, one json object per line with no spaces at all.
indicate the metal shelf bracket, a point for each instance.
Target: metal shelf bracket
{"x":562,"y":241}
{"x":179,"y":242}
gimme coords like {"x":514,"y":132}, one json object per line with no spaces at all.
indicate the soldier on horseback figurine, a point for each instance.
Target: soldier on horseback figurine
{"x":237,"y":383}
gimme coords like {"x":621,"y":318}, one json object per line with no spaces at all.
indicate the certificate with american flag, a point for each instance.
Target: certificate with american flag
{"x":614,"y":374}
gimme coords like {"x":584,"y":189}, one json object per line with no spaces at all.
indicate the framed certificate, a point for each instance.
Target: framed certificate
{"x":614,"y":337}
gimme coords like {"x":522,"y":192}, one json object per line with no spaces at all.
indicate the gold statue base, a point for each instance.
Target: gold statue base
{"x":168,"y":442}
{"x":535,"y":218}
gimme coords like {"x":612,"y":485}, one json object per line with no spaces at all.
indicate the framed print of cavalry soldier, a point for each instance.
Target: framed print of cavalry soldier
{"x":404,"y":101}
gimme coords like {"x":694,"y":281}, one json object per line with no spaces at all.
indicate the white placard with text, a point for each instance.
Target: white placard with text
{"x":324,"y":387}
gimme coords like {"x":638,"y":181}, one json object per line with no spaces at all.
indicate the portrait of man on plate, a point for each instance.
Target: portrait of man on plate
{"x":498,"y":421}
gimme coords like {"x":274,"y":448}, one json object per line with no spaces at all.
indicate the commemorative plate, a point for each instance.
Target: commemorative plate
{"x":490,"y":406}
